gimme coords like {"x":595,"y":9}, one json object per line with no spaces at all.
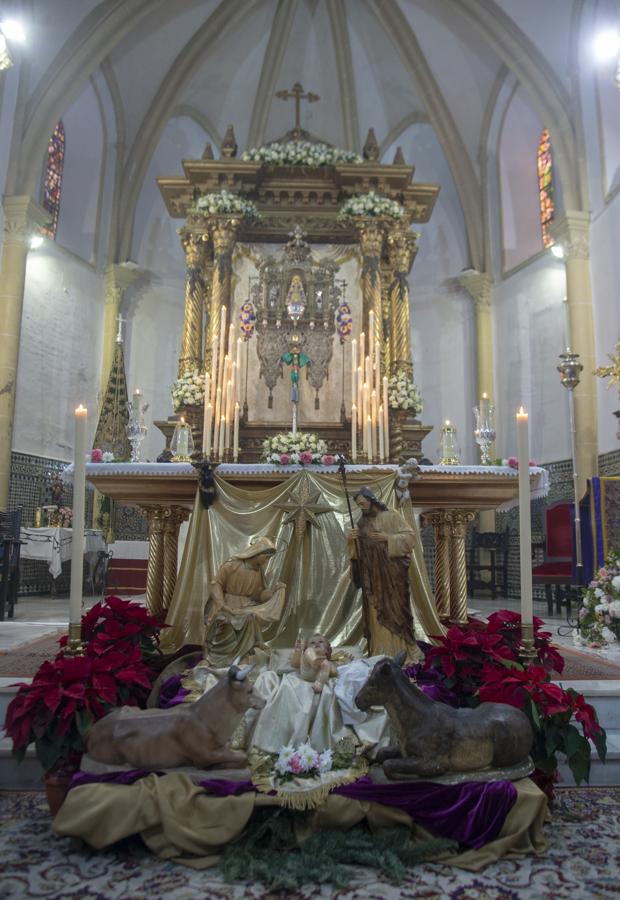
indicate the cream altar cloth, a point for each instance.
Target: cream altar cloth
{"x":312,"y":562}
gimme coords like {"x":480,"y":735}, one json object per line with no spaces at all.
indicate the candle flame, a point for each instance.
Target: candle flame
{"x":182,"y":421}
{"x":521,"y":412}
{"x":81,"y":410}
{"x":447,"y":422}
{"x":354,"y":407}
{"x":484,"y":396}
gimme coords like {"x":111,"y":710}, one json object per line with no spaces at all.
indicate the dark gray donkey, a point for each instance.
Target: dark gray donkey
{"x":436,"y":739}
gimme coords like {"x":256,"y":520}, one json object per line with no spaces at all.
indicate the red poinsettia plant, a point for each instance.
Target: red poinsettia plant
{"x":479,"y":662}
{"x":69,"y":693}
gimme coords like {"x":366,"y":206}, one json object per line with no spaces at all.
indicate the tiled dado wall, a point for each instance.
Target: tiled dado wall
{"x":31,"y":477}
{"x":560,"y":488}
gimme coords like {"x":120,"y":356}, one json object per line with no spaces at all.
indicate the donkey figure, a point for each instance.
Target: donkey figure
{"x":436,"y":739}
{"x":192,"y":734}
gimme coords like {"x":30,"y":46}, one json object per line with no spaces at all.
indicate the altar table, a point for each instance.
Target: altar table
{"x":447,"y":496}
{"x":53,"y":545}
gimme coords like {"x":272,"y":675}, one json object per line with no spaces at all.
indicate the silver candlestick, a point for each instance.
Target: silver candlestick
{"x":135,"y":428}
{"x":484,"y":431}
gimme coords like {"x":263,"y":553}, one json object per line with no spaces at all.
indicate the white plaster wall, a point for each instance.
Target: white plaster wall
{"x":530,"y":333}
{"x":59,"y":352}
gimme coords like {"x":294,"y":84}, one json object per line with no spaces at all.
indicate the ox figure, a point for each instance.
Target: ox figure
{"x":193,"y":734}
{"x":436,"y":739}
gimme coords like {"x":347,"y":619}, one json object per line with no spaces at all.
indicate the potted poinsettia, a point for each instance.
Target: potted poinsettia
{"x":480,"y":662}
{"x":67,"y":694}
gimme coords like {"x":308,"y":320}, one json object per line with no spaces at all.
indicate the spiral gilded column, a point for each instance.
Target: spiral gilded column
{"x":459,"y":520}
{"x":155,"y":571}
{"x":401,"y":244}
{"x":440,"y":521}
{"x":194,"y":246}
{"x":223,"y":234}
{"x":370,"y":232}
{"x":172,"y":518}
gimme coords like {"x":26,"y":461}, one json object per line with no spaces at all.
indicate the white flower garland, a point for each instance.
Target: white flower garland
{"x":370,"y":204}
{"x":300,"y":153}
{"x":403,"y":394}
{"x":296,"y":449}
{"x":188,"y":390}
{"x":226,"y":203}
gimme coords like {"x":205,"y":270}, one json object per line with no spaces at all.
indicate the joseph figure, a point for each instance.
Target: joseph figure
{"x":382,"y":544}
{"x":240,"y":605}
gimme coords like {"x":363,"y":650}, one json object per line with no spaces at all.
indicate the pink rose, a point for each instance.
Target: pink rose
{"x":328,"y":460}
{"x":513,"y":462}
{"x":284,"y":459}
{"x":96,"y":455}
{"x":305,"y":457}
{"x":295,"y":764}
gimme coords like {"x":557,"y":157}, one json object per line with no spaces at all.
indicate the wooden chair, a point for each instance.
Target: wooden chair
{"x":10,"y":544}
{"x":556,"y":570}
{"x":497,"y":545}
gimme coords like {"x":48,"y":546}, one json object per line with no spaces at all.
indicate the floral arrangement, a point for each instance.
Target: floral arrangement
{"x":344,"y":321}
{"x":69,"y":693}
{"x":225,"y":203}
{"x":297,"y":449}
{"x":304,"y":761}
{"x":403,"y":394}
{"x":599,"y":615}
{"x":370,"y":204}
{"x":188,"y":390}
{"x":300,"y":153}
{"x":480,"y":663}
{"x":63,"y":516}
{"x":512,"y":462}
{"x":247,"y":320}
{"x":101,"y":456}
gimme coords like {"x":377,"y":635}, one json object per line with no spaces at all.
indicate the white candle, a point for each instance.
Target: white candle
{"x":233,"y":378}
{"x":231,"y":340}
{"x":220,"y":372}
{"x":205,"y":426}
{"x":362,"y":353}
{"x":206,"y":439}
{"x":218,"y":412}
{"x":353,"y":373}
{"x":365,"y":415}
{"x":236,"y":433}
{"x":360,"y":391}
{"x":222,"y":435}
{"x":229,"y":393}
{"x":238,"y":390}
{"x":368,"y":373}
{"x":386,"y":418}
{"x":484,"y":408}
{"x":136,"y":406}
{"x":369,"y":439}
{"x":213,"y":370}
{"x":374,"y":416}
{"x":354,"y":432}
{"x":371,"y":345}
{"x":525,"y":523}
{"x":77,"y":534}
{"x":378,"y":368}
{"x":381,"y":435}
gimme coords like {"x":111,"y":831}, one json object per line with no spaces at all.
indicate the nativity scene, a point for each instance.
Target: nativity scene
{"x":283,"y":656}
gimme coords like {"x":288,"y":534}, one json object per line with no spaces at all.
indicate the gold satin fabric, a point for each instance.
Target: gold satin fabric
{"x":313,"y":566}
{"x":177,"y":820}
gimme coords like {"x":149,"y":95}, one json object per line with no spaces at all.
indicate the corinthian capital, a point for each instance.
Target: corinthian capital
{"x":572,"y":231}
{"x":478,"y":286}
{"x":370,"y":233}
{"x":402,"y":248}
{"x":22,"y":219}
{"x":194,"y":246}
{"x":224,"y":235}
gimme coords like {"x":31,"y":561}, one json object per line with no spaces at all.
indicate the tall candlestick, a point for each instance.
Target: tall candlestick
{"x":368,"y":373}
{"x":362,"y":352}
{"x":208,"y":427}
{"x":213,"y":370}
{"x":206,"y":401}
{"x":378,"y":368}
{"x":229,"y":393}
{"x":218,"y":413}
{"x":365,"y":414}
{"x":77,"y":534}
{"x":231,"y":340}
{"x":360,"y":391}
{"x":238,"y":387}
{"x":236,"y":433}
{"x":386,"y":418}
{"x":525,"y":523}
{"x":353,"y":372}
{"x":222,"y":436}
{"x":369,"y":439}
{"x":381,"y":435}
{"x":220,"y":371}
{"x":354,"y":432}
{"x":374,"y":417}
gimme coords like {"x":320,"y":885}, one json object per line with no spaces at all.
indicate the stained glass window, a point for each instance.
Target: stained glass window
{"x":52,"y":184}
{"x":545,"y":186}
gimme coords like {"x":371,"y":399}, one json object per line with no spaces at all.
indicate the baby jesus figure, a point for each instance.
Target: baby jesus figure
{"x":313,"y":659}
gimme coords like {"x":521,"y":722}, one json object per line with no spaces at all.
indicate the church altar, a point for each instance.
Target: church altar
{"x":53,"y":546}
{"x":447,"y":496}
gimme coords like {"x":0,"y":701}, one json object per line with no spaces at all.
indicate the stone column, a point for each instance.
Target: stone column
{"x":572,"y":232}
{"x":401,"y":243}
{"x":21,"y":219}
{"x":223,"y":235}
{"x":194,"y":246}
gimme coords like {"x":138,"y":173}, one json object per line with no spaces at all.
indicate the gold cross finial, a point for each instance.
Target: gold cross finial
{"x":297,"y":93}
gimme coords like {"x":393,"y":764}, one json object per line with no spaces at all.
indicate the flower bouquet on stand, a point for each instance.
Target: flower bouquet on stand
{"x":225,"y":203}
{"x":302,"y":449}
{"x":599,"y":615}
{"x":300,"y":153}
{"x":69,"y":693}
{"x":370,"y":204}
{"x":403,"y":393}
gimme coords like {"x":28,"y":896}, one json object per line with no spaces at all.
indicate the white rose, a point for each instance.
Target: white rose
{"x":615,"y":582}
{"x":608,"y":635}
{"x":614,"y":609}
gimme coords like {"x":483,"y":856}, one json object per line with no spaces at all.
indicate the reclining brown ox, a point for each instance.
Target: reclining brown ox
{"x":436,"y":739}
{"x":192,"y":734}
